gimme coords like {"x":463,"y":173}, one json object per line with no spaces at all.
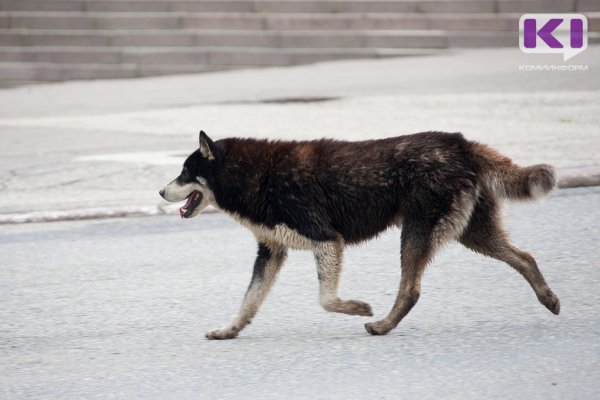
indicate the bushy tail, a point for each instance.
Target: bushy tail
{"x":499,"y":175}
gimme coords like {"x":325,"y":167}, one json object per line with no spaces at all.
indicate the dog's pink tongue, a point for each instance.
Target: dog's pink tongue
{"x":187,"y":205}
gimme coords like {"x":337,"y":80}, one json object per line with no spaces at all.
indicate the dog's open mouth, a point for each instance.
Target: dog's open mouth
{"x":190,"y":205}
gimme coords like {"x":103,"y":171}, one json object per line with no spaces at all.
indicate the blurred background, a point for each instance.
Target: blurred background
{"x":56,"y":40}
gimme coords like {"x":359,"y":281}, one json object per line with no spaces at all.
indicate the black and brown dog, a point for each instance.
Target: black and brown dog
{"x":321,"y":195}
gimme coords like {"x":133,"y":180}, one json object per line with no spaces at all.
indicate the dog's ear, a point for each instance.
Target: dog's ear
{"x":207,"y":146}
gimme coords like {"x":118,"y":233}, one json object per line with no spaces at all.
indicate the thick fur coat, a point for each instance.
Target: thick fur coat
{"x":321,"y":195}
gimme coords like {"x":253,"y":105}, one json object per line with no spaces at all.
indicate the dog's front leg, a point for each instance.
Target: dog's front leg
{"x":268,"y":262}
{"x":329,"y":257}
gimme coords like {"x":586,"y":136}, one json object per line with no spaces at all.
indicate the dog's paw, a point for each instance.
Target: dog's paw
{"x":360,"y":308}
{"x":378,"y":328}
{"x":551,"y":302}
{"x":221,"y":334}
{"x":556,"y":307}
{"x":351,"y":307}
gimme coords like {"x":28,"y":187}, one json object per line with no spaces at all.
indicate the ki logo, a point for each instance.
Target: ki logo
{"x":553,"y":33}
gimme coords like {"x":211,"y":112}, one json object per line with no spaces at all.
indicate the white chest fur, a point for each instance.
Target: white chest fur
{"x":280,"y":234}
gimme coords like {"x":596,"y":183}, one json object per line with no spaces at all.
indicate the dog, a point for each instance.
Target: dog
{"x":323,"y":194}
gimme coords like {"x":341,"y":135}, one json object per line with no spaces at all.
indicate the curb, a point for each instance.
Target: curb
{"x":567,"y":178}
{"x":578,"y":177}
{"x":92,"y":213}
{"x":71,"y":215}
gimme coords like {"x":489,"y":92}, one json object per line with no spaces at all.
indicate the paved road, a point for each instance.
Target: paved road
{"x":463,"y":71}
{"x":62,"y":146}
{"x":111,"y":160}
{"x":118,"y":309}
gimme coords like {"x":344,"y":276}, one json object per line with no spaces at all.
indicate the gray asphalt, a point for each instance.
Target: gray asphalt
{"x":118,"y":309}
{"x":460,"y":71}
{"x":45,"y":130}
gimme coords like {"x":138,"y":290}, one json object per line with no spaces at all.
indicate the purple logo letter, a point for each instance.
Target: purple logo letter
{"x":545,"y":33}
{"x":576,"y":33}
{"x":553,"y":33}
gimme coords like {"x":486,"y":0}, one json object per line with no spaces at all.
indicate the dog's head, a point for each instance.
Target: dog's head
{"x":194,"y":182}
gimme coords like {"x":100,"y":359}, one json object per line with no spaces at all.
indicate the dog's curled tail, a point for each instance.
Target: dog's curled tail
{"x":499,"y":175}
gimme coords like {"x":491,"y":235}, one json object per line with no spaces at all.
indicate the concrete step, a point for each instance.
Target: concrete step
{"x":14,"y":73}
{"x":547,"y":6}
{"x":272,"y":39}
{"x":305,"y":6}
{"x":48,"y":72}
{"x":53,"y":40}
{"x":233,"y":56}
{"x":235,"y":38}
{"x":252,"y":21}
{"x":289,"y":39}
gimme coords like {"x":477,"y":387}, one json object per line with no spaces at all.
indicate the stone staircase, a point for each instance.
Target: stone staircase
{"x":56,"y":40}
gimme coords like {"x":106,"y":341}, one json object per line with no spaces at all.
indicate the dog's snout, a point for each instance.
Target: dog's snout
{"x":162,"y":193}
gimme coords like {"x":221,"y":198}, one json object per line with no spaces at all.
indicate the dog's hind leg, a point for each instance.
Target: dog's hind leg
{"x":422,"y":234}
{"x":417,"y":250}
{"x":329,"y":258}
{"x":485,"y":235}
{"x":268,"y":262}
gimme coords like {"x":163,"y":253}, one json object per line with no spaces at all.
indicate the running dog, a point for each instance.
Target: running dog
{"x":323,"y":194}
